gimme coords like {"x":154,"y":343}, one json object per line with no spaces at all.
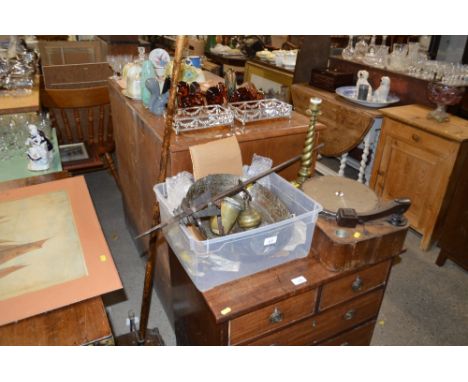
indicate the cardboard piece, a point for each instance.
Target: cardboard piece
{"x":222,"y":156}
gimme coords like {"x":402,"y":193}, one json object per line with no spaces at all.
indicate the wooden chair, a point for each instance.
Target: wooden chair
{"x":83,"y":115}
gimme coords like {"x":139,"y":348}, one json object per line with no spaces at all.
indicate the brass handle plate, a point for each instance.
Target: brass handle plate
{"x":356,"y":286}
{"x":349,"y":315}
{"x":276,"y":316}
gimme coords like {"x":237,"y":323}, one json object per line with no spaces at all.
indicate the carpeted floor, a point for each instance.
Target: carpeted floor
{"x":423,"y":305}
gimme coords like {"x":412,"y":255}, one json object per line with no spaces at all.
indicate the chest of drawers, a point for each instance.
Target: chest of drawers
{"x":268,"y":308}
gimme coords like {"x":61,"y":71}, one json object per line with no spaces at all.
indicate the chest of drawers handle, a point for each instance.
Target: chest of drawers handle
{"x":357,"y":284}
{"x":276,"y":316}
{"x":415,"y":137}
{"x":349,"y":315}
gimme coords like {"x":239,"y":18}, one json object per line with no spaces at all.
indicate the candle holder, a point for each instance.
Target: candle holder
{"x":306,"y":159}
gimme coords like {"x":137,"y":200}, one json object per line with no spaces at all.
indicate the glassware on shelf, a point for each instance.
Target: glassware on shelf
{"x":413,"y":53}
{"x":397,"y":60}
{"x":360,"y":49}
{"x":372,"y":43}
{"x":348,"y":52}
{"x":382,"y":56}
{"x":443,"y":95}
{"x":371,"y":57}
{"x":382,"y":53}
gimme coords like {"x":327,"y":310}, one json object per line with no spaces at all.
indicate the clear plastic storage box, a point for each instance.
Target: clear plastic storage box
{"x":213,"y":262}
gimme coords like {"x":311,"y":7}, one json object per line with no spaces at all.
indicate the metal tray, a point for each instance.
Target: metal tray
{"x":259,"y":110}
{"x":202,"y":117}
{"x":349,"y":93}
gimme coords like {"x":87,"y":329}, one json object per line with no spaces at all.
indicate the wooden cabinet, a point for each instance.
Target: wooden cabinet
{"x":423,"y":160}
{"x":266,"y":308}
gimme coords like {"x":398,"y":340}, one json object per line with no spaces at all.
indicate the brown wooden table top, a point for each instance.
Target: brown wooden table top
{"x":259,"y":62}
{"x":347,"y":123}
{"x":253,"y":131}
{"x":20,"y":104}
{"x":233,"y":299}
{"x":77,"y":324}
{"x":229,"y":60}
{"x":455,"y":129}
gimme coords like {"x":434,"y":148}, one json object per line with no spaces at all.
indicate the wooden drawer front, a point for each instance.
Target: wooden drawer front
{"x":419,"y":138}
{"x":327,"y":324}
{"x":353,"y":285}
{"x":360,"y":336}
{"x":272,"y":317}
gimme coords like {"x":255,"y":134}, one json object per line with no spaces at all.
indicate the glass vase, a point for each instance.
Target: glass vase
{"x":443,"y":95}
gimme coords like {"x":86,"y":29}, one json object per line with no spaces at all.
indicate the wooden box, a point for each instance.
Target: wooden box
{"x":76,"y":75}
{"x":330,"y":79}
{"x":71,"y":52}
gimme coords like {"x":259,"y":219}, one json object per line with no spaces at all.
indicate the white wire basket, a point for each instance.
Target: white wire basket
{"x":202,"y":117}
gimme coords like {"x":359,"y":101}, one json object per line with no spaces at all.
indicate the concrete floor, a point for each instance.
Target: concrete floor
{"x":424,"y":304}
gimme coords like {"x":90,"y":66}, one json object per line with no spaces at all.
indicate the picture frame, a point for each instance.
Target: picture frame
{"x":73,"y":152}
{"x":48,"y":218}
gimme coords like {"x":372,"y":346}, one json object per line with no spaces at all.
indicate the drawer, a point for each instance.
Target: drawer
{"x":419,"y":138}
{"x":328,"y":324}
{"x":353,"y":285}
{"x":360,"y":336}
{"x":272,"y":317}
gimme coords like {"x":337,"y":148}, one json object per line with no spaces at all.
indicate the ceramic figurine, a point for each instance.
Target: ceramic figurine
{"x":158,"y":100}
{"x":381,"y":94}
{"x":40,"y":150}
{"x":147,"y":71}
{"x":363,"y":76}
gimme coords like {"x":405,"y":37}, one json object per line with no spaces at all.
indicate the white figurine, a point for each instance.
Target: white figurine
{"x":40,"y":150}
{"x":363,"y":76}
{"x":381,"y":94}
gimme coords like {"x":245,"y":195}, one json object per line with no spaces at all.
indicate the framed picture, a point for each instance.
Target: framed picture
{"x":73,"y":152}
{"x":274,"y":82}
{"x":52,"y":249}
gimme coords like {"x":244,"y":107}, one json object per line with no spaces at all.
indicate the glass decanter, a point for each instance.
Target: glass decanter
{"x":443,"y":95}
{"x":372,"y":43}
{"x":371,"y":57}
{"x":382,"y":53}
{"x":360,"y":49}
{"x":398,"y":59}
{"x":348,"y":52}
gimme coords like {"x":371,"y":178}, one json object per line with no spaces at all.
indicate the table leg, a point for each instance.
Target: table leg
{"x":343,"y":159}
{"x":365,"y":155}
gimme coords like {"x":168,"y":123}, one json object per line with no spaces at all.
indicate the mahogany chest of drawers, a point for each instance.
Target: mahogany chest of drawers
{"x":297,"y":303}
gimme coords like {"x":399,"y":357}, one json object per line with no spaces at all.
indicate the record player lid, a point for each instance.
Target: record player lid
{"x":334,"y":192}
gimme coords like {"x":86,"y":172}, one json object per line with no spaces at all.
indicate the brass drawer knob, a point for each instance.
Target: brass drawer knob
{"x":415,"y":137}
{"x":349,"y":315}
{"x":276,"y":316}
{"x":357,"y":284}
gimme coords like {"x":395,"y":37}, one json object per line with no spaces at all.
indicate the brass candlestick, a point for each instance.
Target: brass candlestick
{"x":306,"y":159}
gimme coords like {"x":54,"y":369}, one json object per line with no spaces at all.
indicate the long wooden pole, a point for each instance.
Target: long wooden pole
{"x":154,"y":239}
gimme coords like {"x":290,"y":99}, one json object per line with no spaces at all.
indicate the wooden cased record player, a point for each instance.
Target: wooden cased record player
{"x":355,"y":228}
